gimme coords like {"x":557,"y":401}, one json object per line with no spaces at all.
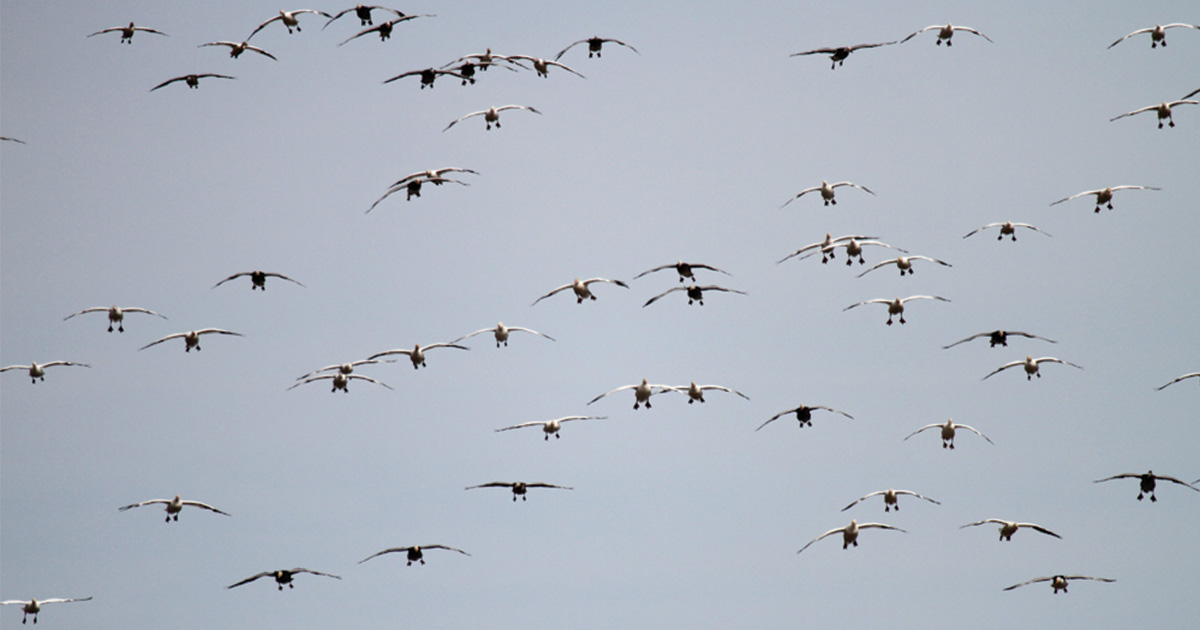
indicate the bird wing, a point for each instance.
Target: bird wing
{"x":1036,"y":527}
{"x":616,"y":282}
{"x":281,"y":276}
{"x":168,"y":82}
{"x":776,"y":417}
{"x":1028,"y":335}
{"x":446,"y":548}
{"x":923,"y":297}
{"x":302,"y":569}
{"x":990,"y":225}
{"x":138,"y":309}
{"x":716,"y":387}
{"x":828,"y":533}
{"x":1041,"y":579}
{"x":404,"y":351}
{"x":985,"y":522}
{"x":107,"y":30}
{"x":464,"y":118}
{"x":54,"y":363}
{"x":1054,"y":360}
{"x":1128,"y":187}
{"x":933,"y":260}
{"x":875,"y":301}
{"x":879,"y":526}
{"x":658,"y":268}
{"x":404,"y":74}
{"x":525,"y":107}
{"x":264,"y":25}
{"x":168,"y":337}
{"x":878,"y":265}
{"x":94,"y":309}
{"x":14,"y":367}
{"x":971,"y":30}
{"x":387,"y":194}
{"x":552,"y":292}
{"x":1178,"y":481}
{"x":523,"y":425}
{"x":975,"y":431}
{"x":478,"y":332}
{"x":563,"y":51}
{"x":975,"y":336}
{"x":1136,"y":111}
{"x":1185,"y":376}
{"x":655,"y":298}
{"x":236,"y":275}
{"x":135,"y":505}
{"x":205,"y":331}
{"x":833,"y":410}
{"x":492,"y":484}
{"x":623,"y":387}
{"x":864,"y":188}
{"x":530,"y":330}
{"x":827,"y":51}
{"x":380,"y":553}
{"x":919,"y":496}
{"x":363,"y":32}
{"x":857,"y":46}
{"x":1086,"y":192}
{"x":1137,"y":32}
{"x":252,"y":578}
{"x":561,"y":65}
{"x":368,"y":379}
{"x":57,"y":600}
{"x":802,"y":192}
{"x":546,"y":485}
{"x":862,"y":498}
{"x":1120,"y":476}
{"x":928,"y":426}
{"x":205,"y":506}
{"x":444,"y":345}
{"x":927,"y":28}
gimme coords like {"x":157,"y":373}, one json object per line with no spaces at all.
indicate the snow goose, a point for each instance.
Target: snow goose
{"x":485,"y":59}
{"x":1104,"y":195}
{"x":345,"y":368}
{"x":997,"y":337}
{"x":696,"y":392}
{"x":1162,"y":109}
{"x":896,"y":305}
{"x":413,"y":188}
{"x":803,"y":414}
{"x":854,"y":249}
{"x":1158,"y":33}
{"x":192,"y":80}
{"x":946,"y":33}
{"x":824,"y":246}
{"x":685,"y":270}
{"x":290,"y":19}
{"x":827,"y":192}
{"x":849,"y":533}
{"x":1147,"y":483}
{"x":904,"y":263}
{"x":236,"y":49}
{"x":641,"y":392}
{"x":384,"y":29}
{"x":363,"y":13}
{"x":890,"y":498}
{"x":341,"y":381}
{"x":283,"y":576}
{"x":519,"y":488}
{"x":433,"y":176}
{"x":428,"y":76}
{"x":582,"y":289}
{"x":542,"y":66}
{"x":838,"y":54}
{"x":174,"y":506}
{"x":1059,"y":582}
{"x":37,"y":371}
{"x":116,"y":314}
{"x":501,"y":333}
{"x":1006,"y":228}
{"x":191,"y":339}
{"x":595,"y":46}
{"x":1191,"y":375}
{"x":416,"y":553}
{"x":127,"y":36}
{"x":417,"y":354}
{"x":34,"y":606}
{"x":1031,"y":366}
{"x":694,"y":293}
{"x":258,"y":279}
{"x":1008,"y":528}
{"x":948,"y":429}
{"x":491,"y":115}
{"x":551,"y":427}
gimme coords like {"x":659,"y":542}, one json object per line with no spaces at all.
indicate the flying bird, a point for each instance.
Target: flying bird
{"x":1031,"y":366}
{"x":34,"y":606}
{"x":501,"y":333}
{"x":433,"y":176}
{"x":827,"y":192}
{"x":1008,"y":528}
{"x":1059,"y":582}
{"x":582,"y":289}
{"x":896,"y":305}
{"x":849,"y":533}
{"x":1006,"y":228}
{"x":595,"y":46}
{"x":282,"y":576}
{"x":116,"y":314}
{"x":1190,"y":375}
{"x":1158,"y":33}
{"x":127,"y":38}
{"x":685,"y":270}
{"x":416,"y":553}
{"x":803,"y":414}
{"x":192,"y":80}
{"x":519,"y":488}
{"x":384,"y":29}
{"x":290,"y":19}
{"x":551,"y":427}
{"x":838,"y":54}
{"x":491,"y":115}
{"x":1148,"y":482}
{"x":192,"y":338}
{"x":890,"y":498}
{"x":174,"y":506}
{"x":417,"y":354}
{"x":341,"y":381}
{"x":345,"y":368}
{"x":542,"y":66}
{"x":363,"y":13}
{"x":641,"y":392}
{"x":904,"y":263}
{"x":37,"y":371}
{"x":258,"y":279}
{"x":428,"y":76}
{"x":824,"y":246}
{"x":1104,"y":195}
{"x":694,"y":293}
{"x":946,"y":33}
{"x":948,"y":430}
{"x":997,"y":337}
{"x":1162,"y":109}
{"x":485,"y":59}
{"x":236,"y":49}
{"x":696,"y":392}
{"x":854,"y":249}
{"x":413,"y":188}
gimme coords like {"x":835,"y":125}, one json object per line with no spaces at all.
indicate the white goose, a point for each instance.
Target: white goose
{"x":694,"y":293}
{"x":290,"y":19}
{"x":1162,"y":109}
{"x":491,"y":115}
{"x":827,"y":192}
{"x":345,"y":368}
{"x":501,"y":333}
{"x":641,"y":392}
{"x":1158,"y":33}
{"x":849,"y":533}
{"x":686,"y":270}
{"x":415,"y":553}
{"x":1185,"y":376}
{"x":696,"y":392}
{"x":127,"y":36}
{"x":838,"y":54}
{"x":896,"y":305}
{"x":34,"y":606}
{"x":519,"y":488}
{"x":1031,"y":366}
{"x":997,"y":337}
{"x":904,"y":263}
{"x":854,"y":249}
{"x":432,"y":175}
{"x":417,"y":354}
{"x":947,"y":430}
{"x":485,"y":59}
{"x":803,"y":414}
{"x":236,"y":49}
{"x":341,"y":381}
{"x":542,"y":66}
{"x":282,"y":576}
{"x":258,"y":279}
{"x":191,"y":339}
{"x":595,"y":46}
{"x":1008,"y":228}
{"x":581,"y":288}
{"x":551,"y":427}
{"x":825,"y":246}
{"x":1148,"y":482}
{"x":1104,"y":195}
{"x":890,"y":498}
{"x":37,"y":371}
{"x":174,"y":506}
{"x":1059,"y":582}
{"x":116,"y":314}
{"x":1008,"y":528}
{"x":946,"y":33}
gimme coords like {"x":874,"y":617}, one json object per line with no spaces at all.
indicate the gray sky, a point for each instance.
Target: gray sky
{"x":681,"y":515}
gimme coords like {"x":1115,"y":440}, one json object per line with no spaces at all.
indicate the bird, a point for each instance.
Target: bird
{"x":1158,"y":33}
{"x":37,"y":371}
{"x":290,"y":19}
{"x":1104,"y":195}
{"x":896,"y":305}
{"x":849,"y":533}
{"x":519,"y":488}
{"x":384,"y":28}
{"x":854,"y":249}
{"x":824,"y":246}
{"x":501,"y":333}
{"x":1189,"y":375}
{"x":890,"y":498}
{"x":946,"y":33}
{"x":345,"y":368}
{"x":838,"y":54}
{"x":1059,"y":582}
{"x":948,"y":430}
{"x":582,"y":289}
{"x":192,"y":338}
{"x":595,"y":46}
{"x":904,"y":263}
{"x":428,"y":76}
{"x":551,"y":427}
{"x":415,"y":553}
{"x":413,"y":188}
{"x":433,"y":176}
{"x":283,"y":576}
{"x":1008,"y":528}
{"x":174,"y":506}
{"x":236,"y":49}
{"x":34,"y":606}
{"x":258,"y":279}
{"x":641,"y":392}
{"x":127,"y":36}
{"x":192,"y":80}
{"x":685,"y":270}
{"x":116,"y":314}
{"x":1162,"y":109}
{"x":363,"y":13}
{"x":1006,"y":227}
{"x":1147,"y":483}
{"x":417,"y":354}
{"x":695,"y":293}
{"x":341,"y":381}
{"x":696,"y":392}
{"x":997,"y":337}
{"x":803,"y":414}
{"x":1031,"y":366}
{"x":827,"y":192}
{"x":542,"y":66}
{"x":491,"y":115}
{"x":485,"y":59}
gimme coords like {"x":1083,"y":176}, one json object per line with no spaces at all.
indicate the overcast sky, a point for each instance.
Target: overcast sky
{"x":680,"y":515}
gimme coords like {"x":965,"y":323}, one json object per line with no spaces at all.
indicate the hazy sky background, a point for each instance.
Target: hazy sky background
{"x":681,"y":515}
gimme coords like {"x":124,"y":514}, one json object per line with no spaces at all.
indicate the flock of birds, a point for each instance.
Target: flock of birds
{"x":465,"y":69}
